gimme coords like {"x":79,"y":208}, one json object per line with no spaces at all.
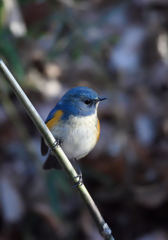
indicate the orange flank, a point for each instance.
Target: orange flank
{"x":55,"y":119}
{"x":98,"y":129}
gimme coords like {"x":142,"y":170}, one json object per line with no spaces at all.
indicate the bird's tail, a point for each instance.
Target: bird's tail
{"x":51,"y":162}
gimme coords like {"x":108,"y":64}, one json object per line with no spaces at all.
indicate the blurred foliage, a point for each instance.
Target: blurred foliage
{"x":9,"y":51}
{"x":1,"y":9}
{"x":120,"y":50}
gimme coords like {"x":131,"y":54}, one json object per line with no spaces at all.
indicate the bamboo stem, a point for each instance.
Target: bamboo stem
{"x":104,"y":230}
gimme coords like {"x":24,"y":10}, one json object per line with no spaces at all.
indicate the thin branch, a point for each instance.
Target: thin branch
{"x":104,"y":230}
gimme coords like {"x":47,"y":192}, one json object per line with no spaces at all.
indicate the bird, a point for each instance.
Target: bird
{"x":74,"y":124}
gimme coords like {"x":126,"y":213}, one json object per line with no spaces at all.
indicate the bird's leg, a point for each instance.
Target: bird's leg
{"x":56,"y":143}
{"x":80,"y":182}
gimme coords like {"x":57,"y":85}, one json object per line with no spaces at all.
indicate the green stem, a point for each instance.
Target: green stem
{"x":65,"y":163}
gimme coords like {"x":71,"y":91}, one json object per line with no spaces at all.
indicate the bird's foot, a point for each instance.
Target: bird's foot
{"x":57,"y":143}
{"x":80,"y":182}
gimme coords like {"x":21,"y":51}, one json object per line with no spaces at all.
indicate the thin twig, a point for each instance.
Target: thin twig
{"x":104,"y":230}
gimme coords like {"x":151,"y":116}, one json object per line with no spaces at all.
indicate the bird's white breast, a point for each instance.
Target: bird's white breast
{"x":78,"y":135}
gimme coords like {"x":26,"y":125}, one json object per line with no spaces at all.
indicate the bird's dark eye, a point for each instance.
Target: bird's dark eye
{"x":87,"y":102}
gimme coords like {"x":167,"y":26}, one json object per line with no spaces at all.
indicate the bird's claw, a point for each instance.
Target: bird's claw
{"x":80,"y":182}
{"x":57,"y":143}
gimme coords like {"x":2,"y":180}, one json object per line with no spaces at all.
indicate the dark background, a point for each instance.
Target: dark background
{"x":120,"y":49}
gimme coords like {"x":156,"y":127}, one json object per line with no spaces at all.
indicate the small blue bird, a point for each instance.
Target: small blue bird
{"x":74,"y":124}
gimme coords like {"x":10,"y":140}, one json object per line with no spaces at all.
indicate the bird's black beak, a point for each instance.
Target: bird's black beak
{"x":101,"y":99}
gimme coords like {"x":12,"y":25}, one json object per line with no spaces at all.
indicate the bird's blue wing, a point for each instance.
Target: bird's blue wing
{"x":44,"y":147}
{"x":51,"y":114}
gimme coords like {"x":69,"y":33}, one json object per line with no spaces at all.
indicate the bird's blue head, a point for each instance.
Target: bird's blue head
{"x":79,"y":101}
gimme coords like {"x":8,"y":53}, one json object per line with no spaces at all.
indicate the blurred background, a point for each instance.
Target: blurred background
{"x":120,"y":49}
